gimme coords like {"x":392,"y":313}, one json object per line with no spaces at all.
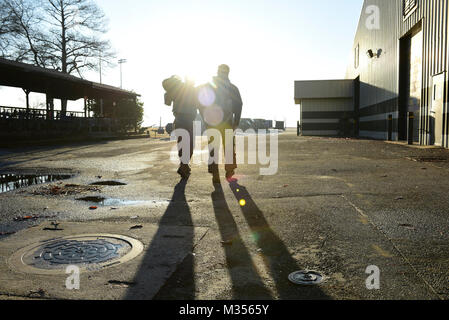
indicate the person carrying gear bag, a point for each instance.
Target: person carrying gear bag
{"x":182,"y":95}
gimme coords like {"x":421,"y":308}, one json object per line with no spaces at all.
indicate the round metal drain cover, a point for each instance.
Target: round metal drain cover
{"x":88,"y":252}
{"x":306,"y":278}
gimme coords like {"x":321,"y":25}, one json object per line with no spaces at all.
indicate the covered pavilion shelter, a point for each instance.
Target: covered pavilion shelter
{"x":58,"y":85}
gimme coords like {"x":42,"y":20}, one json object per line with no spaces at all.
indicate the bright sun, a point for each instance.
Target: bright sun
{"x":200,"y":72}
{"x":199,"y":50}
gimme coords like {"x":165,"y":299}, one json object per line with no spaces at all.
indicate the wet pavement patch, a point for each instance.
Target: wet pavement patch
{"x":10,"y":182}
{"x":92,"y":199}
{"x":108,"y":183}
{"x":25,"y":218}
{"x":123,"y":284}
{"x":429,"y":159}
{"x":7,"y":233}
{"x":64,"y":190}
{"x":407,"y":226}
{"x":107,"y":202}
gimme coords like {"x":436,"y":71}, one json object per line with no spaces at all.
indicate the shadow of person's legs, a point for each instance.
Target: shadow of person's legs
{"x":246,"y":282}
{"x":274,"y":252}
{"x":172,"y":241}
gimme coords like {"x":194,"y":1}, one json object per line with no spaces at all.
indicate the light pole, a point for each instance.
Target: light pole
{"x":121,"y":62}
{"x":100,"y":60}
{"x":101,"y":78}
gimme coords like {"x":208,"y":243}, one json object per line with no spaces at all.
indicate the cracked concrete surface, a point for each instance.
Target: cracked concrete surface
{"x":336,"y":206}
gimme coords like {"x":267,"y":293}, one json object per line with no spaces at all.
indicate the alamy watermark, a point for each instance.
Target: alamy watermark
{"x":373,"y":281}
{"x":73,"y":281}
{"x":254,"y":152}
{"x":372,"y":22}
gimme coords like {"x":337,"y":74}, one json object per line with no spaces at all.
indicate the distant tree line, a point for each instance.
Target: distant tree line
{"x":129,"y":111}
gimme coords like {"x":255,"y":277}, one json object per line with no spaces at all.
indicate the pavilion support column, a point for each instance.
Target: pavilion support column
{"x":27,"y":93}
{"x":100,"y":121}
{"x":85,"y":107}
{"x":50,"y":107}
{"x":63,"y":108}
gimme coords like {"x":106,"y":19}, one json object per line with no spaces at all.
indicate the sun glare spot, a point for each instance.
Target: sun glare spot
{"x":206,"y":96}
{"x":213,"y":115}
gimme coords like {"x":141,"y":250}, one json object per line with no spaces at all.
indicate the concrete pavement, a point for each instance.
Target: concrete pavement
{"x":336,"y":206}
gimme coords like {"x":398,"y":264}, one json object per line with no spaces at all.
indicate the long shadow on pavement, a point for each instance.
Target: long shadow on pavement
{"x":275,"y":255}
{"x":246,"y":282}
{"x":162,"y":251}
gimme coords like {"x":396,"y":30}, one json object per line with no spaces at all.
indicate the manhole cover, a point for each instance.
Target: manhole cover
{"x":305,"y":278}
{"x":88,"y":252}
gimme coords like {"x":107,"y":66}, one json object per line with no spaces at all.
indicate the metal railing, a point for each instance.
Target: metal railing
{"x":34,"y":114}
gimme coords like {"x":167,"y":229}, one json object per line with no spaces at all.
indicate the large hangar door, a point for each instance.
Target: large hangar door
{"x":436,"y":112}
{"x":410,"y":82}
{"x":404,"y":86}
{"x":414,"y":103}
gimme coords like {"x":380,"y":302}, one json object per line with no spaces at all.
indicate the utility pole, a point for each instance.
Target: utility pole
{"x":121,"y":62}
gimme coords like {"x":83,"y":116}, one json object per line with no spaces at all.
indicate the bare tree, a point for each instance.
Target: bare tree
{"x":5,"y":28}
{"x":65,"y":35}
{"x":75,"y":28}
{"x":20,"y":36}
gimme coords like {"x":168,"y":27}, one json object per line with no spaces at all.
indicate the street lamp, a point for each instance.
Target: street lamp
{"x":121,"y":62}
{"x":100,"y":60}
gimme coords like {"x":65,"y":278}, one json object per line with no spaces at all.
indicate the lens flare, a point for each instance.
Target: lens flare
{"x":255,"y":236}
{"x":213,"y":115}
{"x":206,"y":96}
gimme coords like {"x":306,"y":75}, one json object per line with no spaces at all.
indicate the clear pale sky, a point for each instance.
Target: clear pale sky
{"x":267,"y":43}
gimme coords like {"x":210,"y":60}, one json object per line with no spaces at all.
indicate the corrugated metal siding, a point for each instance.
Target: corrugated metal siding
{"x":326,"y":105}
{"x":446,"y":138}
{"x":379,"y":77}
{"x":317,"y":89}
{"x":434,"y":16}
{"x":324,"y":117}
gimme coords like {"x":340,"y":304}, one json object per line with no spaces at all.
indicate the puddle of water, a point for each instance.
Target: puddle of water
{"x":10,"y":182}
{"x":111,"y":202}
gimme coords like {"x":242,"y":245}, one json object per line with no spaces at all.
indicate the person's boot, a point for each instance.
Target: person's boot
{"x":230,"y":176}
{"x":184,"y":171}
{"x":212,"y":168}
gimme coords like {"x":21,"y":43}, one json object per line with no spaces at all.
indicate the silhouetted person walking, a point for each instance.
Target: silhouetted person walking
{"x":184,"y":99}
{"x":221,"y":108}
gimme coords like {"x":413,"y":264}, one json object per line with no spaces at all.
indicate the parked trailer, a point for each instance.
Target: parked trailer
{"x":280,"y":125}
